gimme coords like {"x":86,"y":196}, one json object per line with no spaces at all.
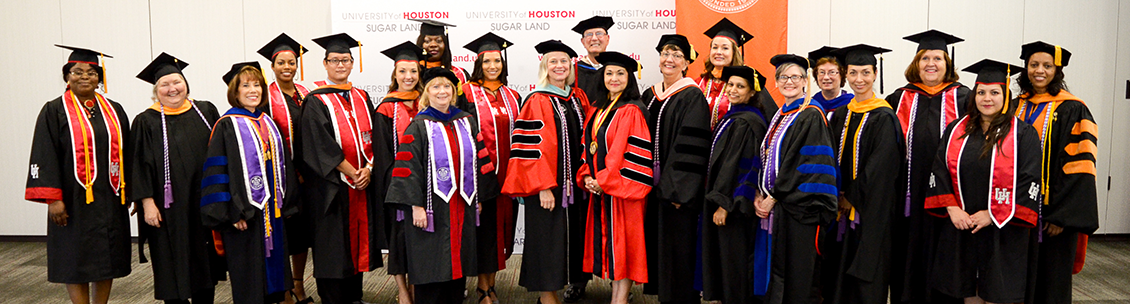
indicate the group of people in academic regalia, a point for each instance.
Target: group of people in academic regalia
{"x":698,"y":188}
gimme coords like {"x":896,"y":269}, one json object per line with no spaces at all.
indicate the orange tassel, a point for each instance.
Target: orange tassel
{"x":105,"y":87}
{"x":301,"y":70}
{"x":360,"y":57}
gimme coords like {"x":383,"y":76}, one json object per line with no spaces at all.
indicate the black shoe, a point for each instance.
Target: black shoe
{"x":574,"y":292}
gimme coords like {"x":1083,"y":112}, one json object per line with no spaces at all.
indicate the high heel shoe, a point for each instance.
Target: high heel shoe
{"x":308,"y":300}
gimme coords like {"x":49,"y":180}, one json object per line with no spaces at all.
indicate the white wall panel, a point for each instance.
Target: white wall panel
{"x":208,"y":34}
{"x":881,"y":23}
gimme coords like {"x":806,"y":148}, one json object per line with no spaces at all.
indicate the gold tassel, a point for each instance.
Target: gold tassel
{"x":639,"y":70}
{"x":360,"y":57}
{"x":301,"y":70}
{"x":756,"y":82}
{"x":1007,"y":81}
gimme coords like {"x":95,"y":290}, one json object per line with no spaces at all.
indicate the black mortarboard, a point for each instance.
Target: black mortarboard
{"x":859,"y":54}
{"x":164,"y":64}
{"x":432,"y":73}
{"x":282,"y":43}
{"x":554,"y":45}
{"x":780,"y":59}
{"x":933,"y":40}
{"x":995,"y":72}
{"x":1060,"y":55}
{"x":235,"y":68}
{"x":862,"y":54}
{"x":488,"y":42}
{"x":728,"y":29}
{"x":594,"y":22}
{"x":82,"y":55}
{"x":431,"y":27}
{"x":337,"y":43}
{"x":679,"y":41}
{"x":992,"y":71}
{"x":88,"y":56}
{"x":750,"y":75}
{"x":405,"y":51}
{"x":821,"y":53}
{"x":619,"y":59}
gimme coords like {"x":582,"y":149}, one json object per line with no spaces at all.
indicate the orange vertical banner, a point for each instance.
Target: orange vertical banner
{"x":766,"y":20}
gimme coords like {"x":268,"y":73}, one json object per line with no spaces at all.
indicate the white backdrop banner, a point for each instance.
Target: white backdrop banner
{"x":383,"y":24}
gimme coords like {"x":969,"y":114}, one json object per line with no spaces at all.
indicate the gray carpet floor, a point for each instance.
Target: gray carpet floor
{"x":23,"y":279}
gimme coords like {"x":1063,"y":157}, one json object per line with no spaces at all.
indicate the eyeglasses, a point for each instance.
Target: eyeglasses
{"x":90,"y":73}
{"x":794,"y":78}
{"x":339,"y":61}
{"x":593,"y":35}
{"x":674,"y":55}
{"x":828,"y":73}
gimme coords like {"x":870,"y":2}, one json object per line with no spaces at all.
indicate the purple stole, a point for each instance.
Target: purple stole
{"x":260,"y":141}
{"x":441,"y":164}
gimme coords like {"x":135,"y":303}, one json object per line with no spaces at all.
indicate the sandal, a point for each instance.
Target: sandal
{"x":493,"y":295}
{"x":308,"y":300}
{"x":574,"y":292}
{"x":483,"y":294}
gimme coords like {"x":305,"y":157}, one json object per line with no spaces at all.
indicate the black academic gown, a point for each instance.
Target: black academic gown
{"x":727,"y":251}
{"x":911,"y":251}
{"x":870,"y":181}
{"x":680,"y":127}
{"x":330,"y":196}
{"x":95,"y":244}
{"x":546,"y":154}
{"x":448,"y":252}
{"x":299,"y":231}
{"x":805,"y":191}
{"x":181,"y":249}
{"x":1071,"y":199}
{"x":993,"y":263}
{"x":259,"y":267}
{"x":589,"y":78}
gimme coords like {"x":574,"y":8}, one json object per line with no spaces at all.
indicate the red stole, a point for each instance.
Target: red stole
{"x":280,"y":111}
{"x":489,"y":127}
{"x":1002,"y":181}
{"x":908,"y":107}
{"x":353,"y":131}
{"x":85,"y":152}
{"x":719,"y":103}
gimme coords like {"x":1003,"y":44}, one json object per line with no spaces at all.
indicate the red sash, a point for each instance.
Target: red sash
{"x":280,"y":111}
{"x":1002,"y":181}
{"x":353,"y":133}
{"x":719,"y":104}
{"x":85,"y":152}
{"x":488,"y":127}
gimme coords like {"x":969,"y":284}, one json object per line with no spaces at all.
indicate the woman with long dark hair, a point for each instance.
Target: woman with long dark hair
{"x":986,"y":182}
{"x":1069,"y":136}
{"x":729,"y":225}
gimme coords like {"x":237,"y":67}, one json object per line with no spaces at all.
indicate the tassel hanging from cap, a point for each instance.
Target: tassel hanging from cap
{"x":102,"y":61}
{"x":301,"y":70}
{"x":1007,"y":84}
{"x":693,"y":55}
{"x":881,"y":91}
{"x":639,"y":70}
{"x":756,"y":82}
{"x":360,"y":57}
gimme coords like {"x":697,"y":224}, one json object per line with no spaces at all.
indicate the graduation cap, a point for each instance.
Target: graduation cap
{"x":821,"y":53}
{"x":164,"y":64}
{"x":749,"y":74}
{"x":619,"y":59}
{"x":781,"y":59}
{"x":283,"y":43}
{"x":593,"y":22}
{"x":235,"y":68}
{"x":432,"y":73}
{"x":1061,"y":55}
{"x":341,"y":43}
{"x":554,"y":45}
{"x":405,"y":51}
{"x":88,"y":56}
{"x":995,"y":72}
{"x":679,"y":41}
{"x":862,"y":54}
{"x":487,"y":43}
{"x":933,"y":40}
{"x":431,"y":27}
{"x":728,"y":29}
